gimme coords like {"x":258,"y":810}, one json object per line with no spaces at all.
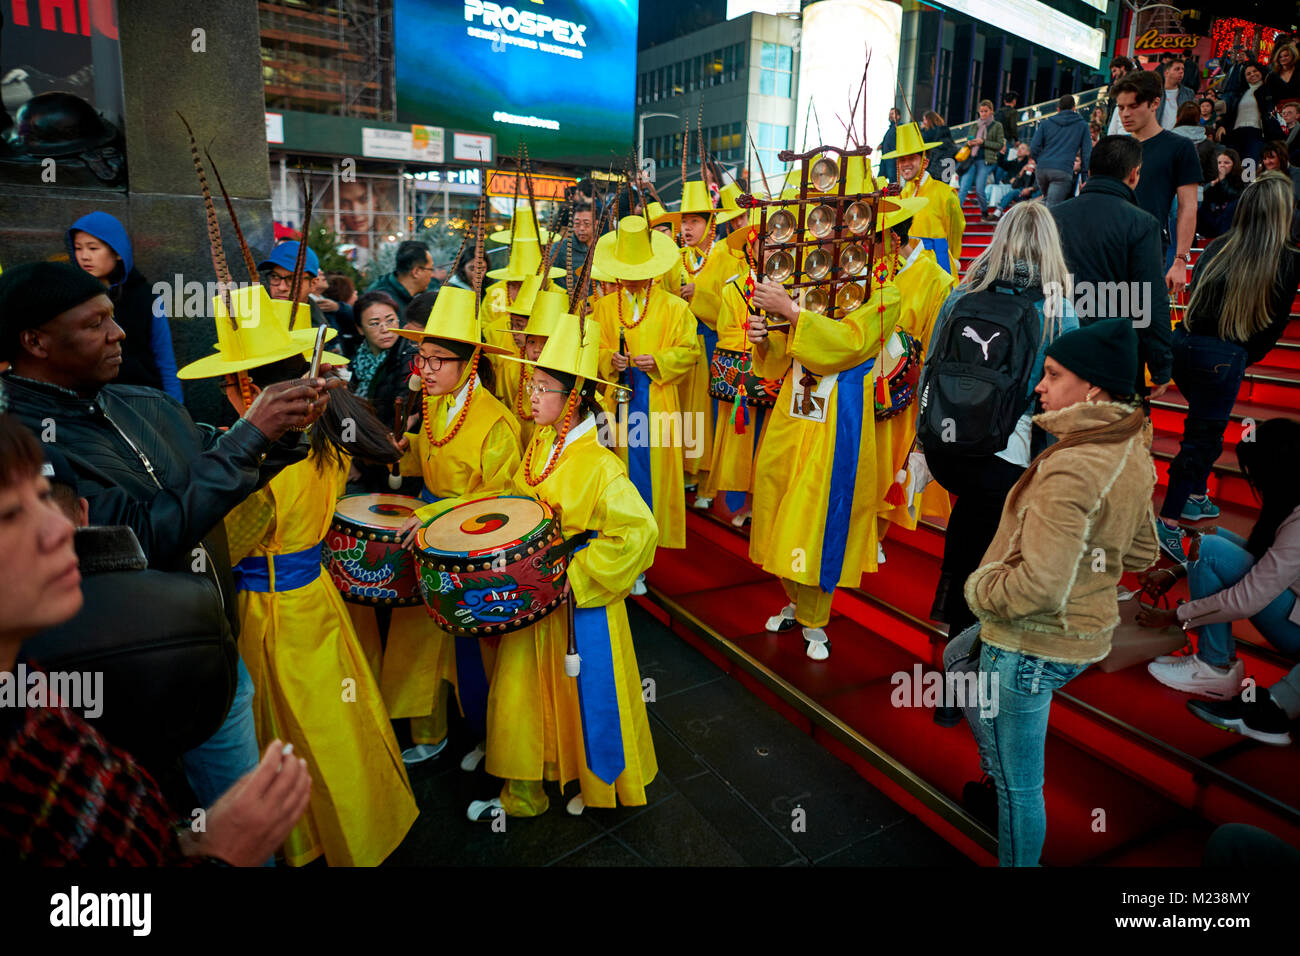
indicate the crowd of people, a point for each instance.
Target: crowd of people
{"x":981,"y":398}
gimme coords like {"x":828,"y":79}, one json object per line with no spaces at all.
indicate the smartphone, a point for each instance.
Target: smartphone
{"x":316,"y":354}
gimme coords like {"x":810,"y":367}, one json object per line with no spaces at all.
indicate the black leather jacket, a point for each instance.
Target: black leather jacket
{"x":142,"y":462}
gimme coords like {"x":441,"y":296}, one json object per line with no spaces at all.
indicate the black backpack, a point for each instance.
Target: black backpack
{"x":977,"y":384}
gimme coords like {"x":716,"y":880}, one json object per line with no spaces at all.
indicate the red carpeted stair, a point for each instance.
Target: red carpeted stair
{"x":1132,"y":778}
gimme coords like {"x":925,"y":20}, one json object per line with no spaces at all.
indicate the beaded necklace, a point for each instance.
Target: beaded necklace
{"x":554,"y":460}
{"x":644,"y":307}
{"x":464,"y":409}
{"x":688,"y":254}
{"x":525,"y":381}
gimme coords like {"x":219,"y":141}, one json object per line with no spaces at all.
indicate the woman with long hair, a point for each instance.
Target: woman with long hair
{"x":1233,"y":578}
{"x":1242,"y":291}
{"x":1025,"y":252}
{"x":1283,"y":82}
{"x":1077,"y":519}
{"x":1219,"y":204}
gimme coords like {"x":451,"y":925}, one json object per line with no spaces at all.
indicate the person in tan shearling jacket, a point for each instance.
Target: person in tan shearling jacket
{"x":1045,"y":595}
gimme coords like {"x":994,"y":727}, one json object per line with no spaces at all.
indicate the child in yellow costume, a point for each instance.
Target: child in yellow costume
{"x":313,"y":685}
{"x":922,"y":286}
{"x":542,"y":723}
{"x":657,"y":332}
{"x":941,"y":225}
{"x":708,"y":265}
{"x":815,"y":487}
{"x":669,"y":223}
{"x":467,"y":444}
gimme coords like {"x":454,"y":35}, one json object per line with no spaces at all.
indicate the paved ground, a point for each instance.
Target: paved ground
{"x":732,"y":776}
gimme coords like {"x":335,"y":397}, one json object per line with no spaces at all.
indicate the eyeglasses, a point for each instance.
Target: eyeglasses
{"x":542,"y":390}
{"x":432,"y":362}
{"x":389,"y":322}
{"x":287,"y":280}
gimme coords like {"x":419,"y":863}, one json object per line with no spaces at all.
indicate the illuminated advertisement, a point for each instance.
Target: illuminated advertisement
{"x":1038,"y":23}
{"x":559,"y":73}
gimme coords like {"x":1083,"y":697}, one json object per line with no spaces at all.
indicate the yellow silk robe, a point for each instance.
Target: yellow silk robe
{"x":731,"y":466}
{"x":480,"y":460}
{"x":666,"y":331}
{"x":793,"y":469}
{"x":941,"y":217}
{"x":315,"y":690}
{"x":534,"y":721}
{"x":706,"y":304}
{"x":923,"y":287}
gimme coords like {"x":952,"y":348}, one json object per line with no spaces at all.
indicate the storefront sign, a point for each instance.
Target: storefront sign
{"x":422,"y":144}
{"x":471,"y":148}
{"x":503,"y":184}
{"x":1153,"y":40}
{"x":275,"y":127}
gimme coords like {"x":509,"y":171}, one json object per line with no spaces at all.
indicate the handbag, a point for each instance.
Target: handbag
{"x":1131,"y":643}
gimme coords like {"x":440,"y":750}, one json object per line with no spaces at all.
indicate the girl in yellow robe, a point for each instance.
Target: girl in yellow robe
{"x":658,"y":333}
{"x":815,"y":487}
{"x":467,"y":444}
{"x":540,"y":727}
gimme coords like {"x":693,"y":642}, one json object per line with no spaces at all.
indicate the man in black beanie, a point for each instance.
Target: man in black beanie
{"x":1103,"y":356}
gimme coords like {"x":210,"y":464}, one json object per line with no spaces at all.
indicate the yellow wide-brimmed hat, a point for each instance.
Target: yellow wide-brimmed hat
{"x":263,"y":335}
{"x":548,"y":308}
{"x":657,"y":215}
{"x":528,"y":289}
{"x":896,"y":209}
{"x":454,"y":317}
{"x":697,"y":201}
{"x":908,"y":141}
{"x":525,"y":227}
{"x":566,"y":351}
{"x":634,"y":251}
{"x":525,"y":260}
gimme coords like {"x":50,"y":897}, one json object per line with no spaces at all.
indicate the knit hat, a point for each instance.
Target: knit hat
{"x":33,"y":293}
{"x":1104,"y":354}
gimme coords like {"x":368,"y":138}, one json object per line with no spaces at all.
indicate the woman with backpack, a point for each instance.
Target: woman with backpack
{"x":1078,"y":518}
{"x":993,"y":328}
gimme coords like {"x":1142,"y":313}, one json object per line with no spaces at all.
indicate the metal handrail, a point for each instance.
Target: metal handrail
{"x":1029,"y":116}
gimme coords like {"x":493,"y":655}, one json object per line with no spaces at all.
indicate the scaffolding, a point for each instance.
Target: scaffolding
{"x":329,"y":56}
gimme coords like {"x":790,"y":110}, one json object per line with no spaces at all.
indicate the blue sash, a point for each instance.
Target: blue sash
{"x":427,"y":496}
{"x":940,"y":249}
{"x":638,"y":455}
{"x":294,"y":570}
{"x":736,"y":499}
{"x":602,"y":734}
{"x":710,"y":343}
{"x":844,"y":472}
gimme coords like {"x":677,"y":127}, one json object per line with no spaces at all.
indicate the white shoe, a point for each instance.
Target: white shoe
{"x":880,"y":554}
{"x":469,"y":763}
{"x":819,"y":645}
{"x":691,"y":486}
{"x":422,"y":752}
{"x":575,"y":806}
{"x":483,"y":811}
{"x":783,"y":621}
{"x":704,"y":504}
{"x":1187,"y":649}
{"x":1193,"y":676}
{"x":638,"y":588}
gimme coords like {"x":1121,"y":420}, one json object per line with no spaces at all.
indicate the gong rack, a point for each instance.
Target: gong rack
{"x":838,"y":221}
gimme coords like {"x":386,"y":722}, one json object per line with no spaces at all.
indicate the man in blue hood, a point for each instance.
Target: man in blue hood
{"x":98,"y":243}
{"x":1058,"y":141}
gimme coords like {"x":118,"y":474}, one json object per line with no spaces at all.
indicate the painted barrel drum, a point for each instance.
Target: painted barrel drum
{"x":902,"y":370}
{"x":363,"y":555}
{"x":727,"y":369}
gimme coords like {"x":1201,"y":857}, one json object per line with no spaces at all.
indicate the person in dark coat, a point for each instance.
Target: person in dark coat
{"x":889,"y":167}
{"x":1219,"y":203}
{"x":99,"y":244}
{"x":1112,"y":248}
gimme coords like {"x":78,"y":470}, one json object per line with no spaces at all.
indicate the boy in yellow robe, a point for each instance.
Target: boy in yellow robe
{"x":815,"y":487}
{"x":669,"y":223}
{"x":543,"y":722}
{"x":313,"y":686}
{"x":648,"y":342}
{"x":466,"y":444}
{"x":941,"y":225}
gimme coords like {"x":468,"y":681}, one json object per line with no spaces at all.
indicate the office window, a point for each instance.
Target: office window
{"x":714,"y":67}
{"x":775,"y":70}
{"x":738,"y":58}
{"x":770,"y":141}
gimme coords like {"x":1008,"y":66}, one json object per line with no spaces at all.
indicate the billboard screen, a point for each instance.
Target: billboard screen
{"x":559,"y":73}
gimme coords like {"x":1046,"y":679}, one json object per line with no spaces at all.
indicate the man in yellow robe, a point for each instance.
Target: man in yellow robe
{"x":815,"y":484}
{"x":941,"y":224}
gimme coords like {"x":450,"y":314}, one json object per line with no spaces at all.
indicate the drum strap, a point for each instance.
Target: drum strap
{"x":602,"y":733}
{"x":844,"y":472}
{"x":279,"y":572}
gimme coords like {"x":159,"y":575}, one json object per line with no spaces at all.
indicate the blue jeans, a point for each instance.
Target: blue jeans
{"x":1224,"y":561}
{"x":1208,"y":371}
{"x":1007,"y":201}
{"x":214,"y":765}
{"x":975,"y":177}
{"x":1012,"y":745}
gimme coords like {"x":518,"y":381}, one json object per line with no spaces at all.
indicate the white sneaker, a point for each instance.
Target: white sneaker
{"x":1193,"y":676}
{"x":1185,"y":651}
{"x":819,"y":645}
{"x":704,"y":504}
{"x":880,"y":554}
{"x":783,"y":621}
{"x":483,"y":811}
{"x":469,"y":763}
{"x":575,"y":806}
{"x":422,"y":752}
{"x":638,"y":588}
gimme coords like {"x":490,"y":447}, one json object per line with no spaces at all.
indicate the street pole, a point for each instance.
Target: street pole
{"x":640,"y":133}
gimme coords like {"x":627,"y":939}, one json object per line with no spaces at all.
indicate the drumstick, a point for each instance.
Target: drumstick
{"x":414,"y":386}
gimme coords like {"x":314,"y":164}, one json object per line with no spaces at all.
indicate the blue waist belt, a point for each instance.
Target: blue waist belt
{"x":939,"y":247}
{"x":294,"y":570}
{"x":602,"y":732}
{"x":427,"y":496}
{"x":844,"y":472}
